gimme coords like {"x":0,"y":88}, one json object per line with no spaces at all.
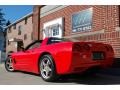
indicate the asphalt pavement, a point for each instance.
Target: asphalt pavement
{"x":23,"y":78}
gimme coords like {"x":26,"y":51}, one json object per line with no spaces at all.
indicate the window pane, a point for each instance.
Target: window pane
{"x":19,"y":30}
{"x":25,"y":20}
{"x":9,"y":30}
{"x":55,"y":30}
{"x":25,"y":36}
{"x":14,"y":27}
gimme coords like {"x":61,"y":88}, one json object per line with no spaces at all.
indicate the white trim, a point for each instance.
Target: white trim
{"x":46,"y":10}
{"x":59,"y":22}
{"x":22,"y":18}
{"x":11,"y":40}
{"x":117,"y":29}
{"x":85,"y":34}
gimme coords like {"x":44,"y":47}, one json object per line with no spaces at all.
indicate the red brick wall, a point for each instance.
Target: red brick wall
{"x":104,"y":17}
{"x":36,"y":21}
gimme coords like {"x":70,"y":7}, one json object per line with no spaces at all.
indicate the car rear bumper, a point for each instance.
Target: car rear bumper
{"x":81,"y":67}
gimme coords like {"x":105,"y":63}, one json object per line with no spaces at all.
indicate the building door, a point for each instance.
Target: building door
{"x":19,"y":45}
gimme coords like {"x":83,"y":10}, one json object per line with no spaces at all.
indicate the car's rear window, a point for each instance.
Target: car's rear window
{"x":54,"y":40}
{"x":58,"y":40}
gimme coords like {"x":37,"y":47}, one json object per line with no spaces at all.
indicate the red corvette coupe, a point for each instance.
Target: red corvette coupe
{"x":54,"y":56}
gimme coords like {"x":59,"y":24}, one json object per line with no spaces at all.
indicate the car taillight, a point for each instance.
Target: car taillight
{"x":83,"y":47}
{"x":109,"y":48}
{"x":77,"y":48}
{"x":86,"y":47}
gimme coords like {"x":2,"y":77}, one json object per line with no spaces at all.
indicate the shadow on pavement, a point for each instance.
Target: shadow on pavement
{"x":97,"y":79}
{"x":91,"y":80}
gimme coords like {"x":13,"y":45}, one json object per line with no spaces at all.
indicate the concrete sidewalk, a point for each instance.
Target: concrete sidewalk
{"x":2,"y":64}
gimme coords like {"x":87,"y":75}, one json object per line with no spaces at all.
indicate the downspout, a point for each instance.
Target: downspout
{"x":119,"y":14}
{"x":39,"y":21}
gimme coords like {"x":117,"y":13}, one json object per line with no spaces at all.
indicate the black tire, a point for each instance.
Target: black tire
{"x":47,"y":71}
{"x":7,"y":67}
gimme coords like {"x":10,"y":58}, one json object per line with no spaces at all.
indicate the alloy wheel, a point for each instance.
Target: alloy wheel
{"x":46,"y":68}
{"x":9,"y":65}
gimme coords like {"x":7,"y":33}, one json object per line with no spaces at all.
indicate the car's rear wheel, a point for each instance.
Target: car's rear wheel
{"x":9,"y":64}
{"x":47,"y":68}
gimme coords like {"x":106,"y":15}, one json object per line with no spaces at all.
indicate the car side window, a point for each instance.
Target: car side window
{"x":36,"y":45}
{"x":33,"y":45}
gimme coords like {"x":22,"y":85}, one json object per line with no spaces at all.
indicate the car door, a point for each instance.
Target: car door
{"x":27,"y":60}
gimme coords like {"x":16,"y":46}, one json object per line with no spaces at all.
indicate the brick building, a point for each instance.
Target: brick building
{"x":19,"y":33}
{"x":82,"y":22}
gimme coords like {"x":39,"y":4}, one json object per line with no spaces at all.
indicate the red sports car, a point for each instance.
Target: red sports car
{"x":54,"y":56}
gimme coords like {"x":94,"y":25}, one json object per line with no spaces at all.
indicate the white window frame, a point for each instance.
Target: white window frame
{"x":47,"y":27}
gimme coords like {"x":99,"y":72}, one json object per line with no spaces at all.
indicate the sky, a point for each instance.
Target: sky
{"x":15,"y":12}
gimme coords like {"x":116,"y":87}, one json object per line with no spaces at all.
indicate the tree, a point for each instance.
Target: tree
{"x":8,"y":23}
{"x":2,"y":21}
{"x":2,"y":31}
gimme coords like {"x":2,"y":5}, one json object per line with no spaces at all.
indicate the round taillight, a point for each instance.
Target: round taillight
{"x":76,"y":47}
{"x":109,"y":48}
{"x":86,"y":47}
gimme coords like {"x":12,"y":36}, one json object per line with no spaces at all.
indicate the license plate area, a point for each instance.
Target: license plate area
{"x":98,"y":55}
